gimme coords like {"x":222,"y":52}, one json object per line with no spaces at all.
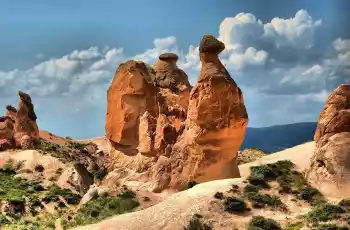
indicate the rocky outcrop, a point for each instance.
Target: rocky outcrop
{"x":84,"y":178}
{"x":131,"y":94}
{"x":191,"y":134}
{"x":26,"y":131}
{"x":6,"y":133}
{"x":216,"y":122}
{"x":11,"y":112}
{"x":330,"y":164}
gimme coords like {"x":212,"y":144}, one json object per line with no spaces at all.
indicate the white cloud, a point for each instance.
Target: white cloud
{"x":295,"y":32}
{"x":342,"y":45}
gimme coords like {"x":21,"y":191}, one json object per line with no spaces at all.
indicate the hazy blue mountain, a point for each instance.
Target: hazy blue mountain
{"x":279,"y":137}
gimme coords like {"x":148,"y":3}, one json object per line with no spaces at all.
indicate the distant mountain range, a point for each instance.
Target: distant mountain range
{"x":276,"y":138}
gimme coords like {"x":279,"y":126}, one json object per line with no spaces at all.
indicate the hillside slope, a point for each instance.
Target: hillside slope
{"x":175,"y":212}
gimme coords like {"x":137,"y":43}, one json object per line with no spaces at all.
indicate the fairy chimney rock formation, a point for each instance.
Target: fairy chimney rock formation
{"x":26,"y":131}
{"x":216,"y":121}
{"x":330,"y":164}
{"x":131,"y":94}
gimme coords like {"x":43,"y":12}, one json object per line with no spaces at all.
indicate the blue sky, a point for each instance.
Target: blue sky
{"x":286,"y":55}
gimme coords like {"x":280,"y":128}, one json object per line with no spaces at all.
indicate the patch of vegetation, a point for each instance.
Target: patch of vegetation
{"x":235,"y":205}
{"x":259,"y":200}
{"x":146,"y":198}
{"x":234,"y":188}
{"x":289,"y":180}
{"x":219,"y":195}
{"x":294,"y":226}
{"x":191,"y":184}
{"x":261,"y":223}
{"x":261,"y":174}
{"x":331,"y":227}
{"x":324,"y":212}
{"x":101,"y":208}
{"x":127,"y":194}
{"x":54,"y":192}
{"x":98,"y":174}
{"x":251,"y":188}
{"x":16,"y":188}
{"x":196,"y":224}
{"x":345,"y":204}
{"x":76,"y":145}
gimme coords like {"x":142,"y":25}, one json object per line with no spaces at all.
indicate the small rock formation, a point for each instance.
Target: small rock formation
{"x":11,"y":112}
{"x":6,"y":134}
{"x":6,"y":128}
{"x":26,"y":131}
{"x":131,"y":94}
{"x":182,"y":133}
{"x":330,"y":164}
{"x":84,"y":179}
{"x":216,"y":122}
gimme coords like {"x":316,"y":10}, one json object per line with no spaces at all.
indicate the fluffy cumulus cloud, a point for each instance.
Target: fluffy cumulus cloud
{"x":274,"y":63}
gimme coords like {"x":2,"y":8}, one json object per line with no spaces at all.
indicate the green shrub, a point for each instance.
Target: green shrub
{"x":196,"y":224}
{"x":219,"y":195}
{"x":127,"y":194}
{"x":294,"y":226}
{"x":192,"y":184}
{"x":324,"y":212}
{"x":261,"y":223}
{"x":234,"y":205}
{"x":260,"y":200}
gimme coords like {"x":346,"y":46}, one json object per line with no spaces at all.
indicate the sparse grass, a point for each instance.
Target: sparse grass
{"x":196,"y":224}
{"x":261,"y":223}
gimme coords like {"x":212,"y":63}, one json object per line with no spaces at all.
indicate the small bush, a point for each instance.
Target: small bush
{"x":196,"y":224}
{"x":324,"y":212}
{"x":251,"y":188}
{"x":345,"y":203}
{"x":261,"y":223}
{"x":259,"y":200}
{"x":294,"y":226}
{"x":127,"y":194}
{"x":235,"y":205}
{"x":219,"y":195}
{"x":191,"y":184}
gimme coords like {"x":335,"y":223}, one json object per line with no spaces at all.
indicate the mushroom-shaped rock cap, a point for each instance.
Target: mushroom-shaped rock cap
{"x":25,"y":97}
{"x":168,"y":56}
{"x":11,"y":108}
{"x":209,"y":44}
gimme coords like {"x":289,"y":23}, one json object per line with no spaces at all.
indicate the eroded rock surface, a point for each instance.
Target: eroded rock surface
{"x":216,"y":122}
{"x":26,"y":131}
{"x":131,"y":94}
{"x":330,"y":165}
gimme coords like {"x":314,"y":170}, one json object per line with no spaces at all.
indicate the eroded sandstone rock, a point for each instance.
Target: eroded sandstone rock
{"x":330,"y":164}
{"x":215,"y":125}
{"x":26,"y":132}
{"x":130,"y":95}
{"x":6,"y":134}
